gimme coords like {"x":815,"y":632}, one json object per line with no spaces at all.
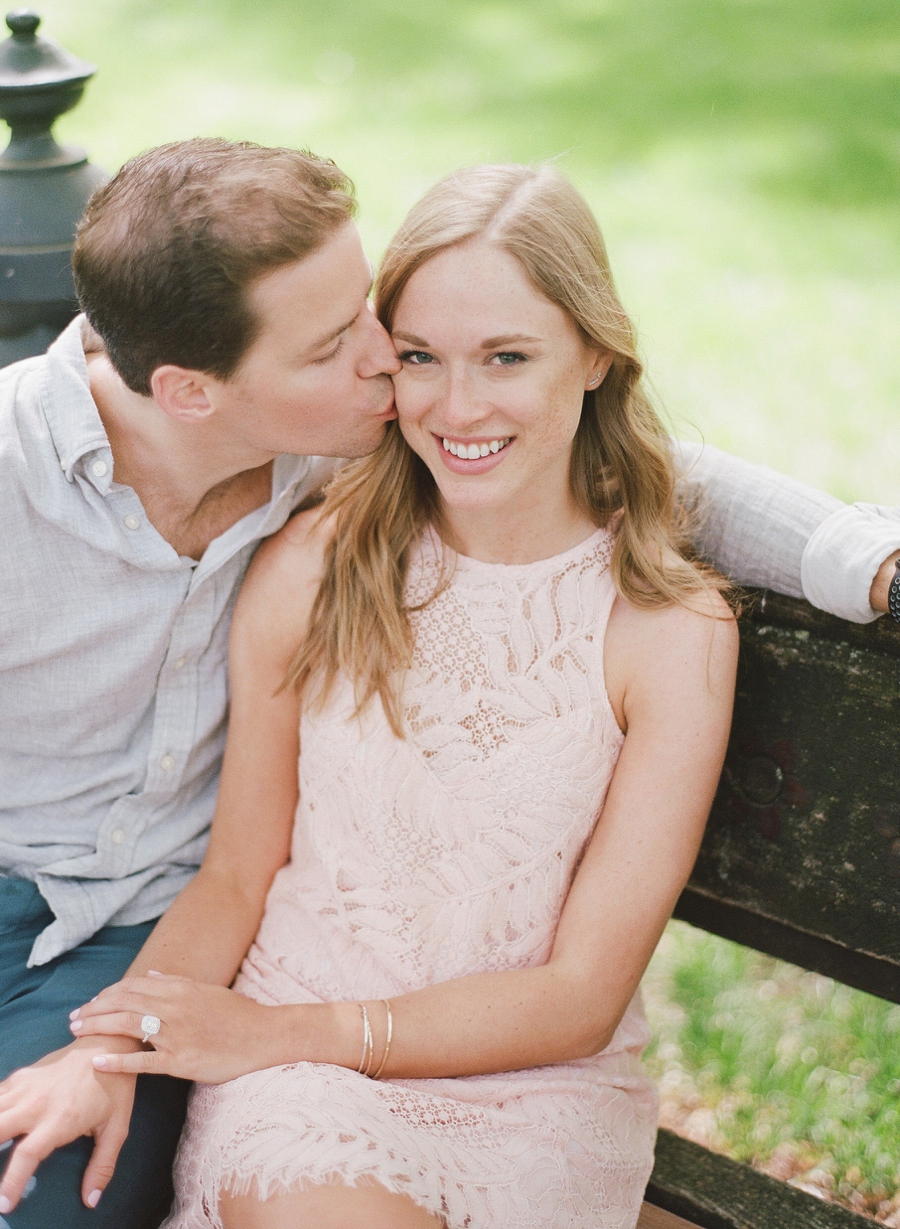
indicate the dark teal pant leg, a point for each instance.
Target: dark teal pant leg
{"x":34,"y":1019}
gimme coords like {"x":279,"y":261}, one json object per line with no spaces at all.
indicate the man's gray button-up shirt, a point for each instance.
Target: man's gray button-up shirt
{"x":113,"y":682}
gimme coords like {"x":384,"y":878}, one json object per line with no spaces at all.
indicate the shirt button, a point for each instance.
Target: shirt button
{"x":117,"y":836}
{"x":167,"y":763}
{"x":63,"y":464}
{"x":99,"y":469}
{"x":178,"y":664}
{"x":132,"y":521}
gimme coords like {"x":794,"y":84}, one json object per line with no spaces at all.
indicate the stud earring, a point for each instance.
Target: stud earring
{"x":596,"y":380}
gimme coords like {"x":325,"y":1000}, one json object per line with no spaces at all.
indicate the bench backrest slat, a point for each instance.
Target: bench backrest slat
{"x":801,"y":857}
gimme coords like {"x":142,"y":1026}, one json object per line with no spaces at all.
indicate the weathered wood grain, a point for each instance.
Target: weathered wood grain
{"x":717,"y":1193}
{"x":802,"y":852}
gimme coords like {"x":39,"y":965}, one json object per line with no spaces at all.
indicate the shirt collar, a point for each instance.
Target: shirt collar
{"x":287,"y":471}
{"x":69,"y":408}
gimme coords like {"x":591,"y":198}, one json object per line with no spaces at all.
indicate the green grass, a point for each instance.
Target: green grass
{"x":780,"y":1068}
{"x":743,"y":157}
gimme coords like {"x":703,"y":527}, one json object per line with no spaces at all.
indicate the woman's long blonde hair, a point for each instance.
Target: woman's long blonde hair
{"x":621,"y":457}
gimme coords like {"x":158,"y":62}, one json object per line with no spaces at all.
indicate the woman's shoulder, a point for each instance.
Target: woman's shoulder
{"x":277,"y":596}
{"x":293,"y":556}
{"x":676,"y":628}
{"x":660,"y":655}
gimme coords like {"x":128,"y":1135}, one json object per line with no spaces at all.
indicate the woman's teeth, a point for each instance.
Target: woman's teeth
{"x":468,"y":452}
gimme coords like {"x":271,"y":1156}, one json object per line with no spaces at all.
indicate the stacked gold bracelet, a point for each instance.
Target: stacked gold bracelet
{"x":368,"y":1051}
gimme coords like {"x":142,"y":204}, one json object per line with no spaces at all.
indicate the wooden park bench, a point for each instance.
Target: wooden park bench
{"x":801,"y":860}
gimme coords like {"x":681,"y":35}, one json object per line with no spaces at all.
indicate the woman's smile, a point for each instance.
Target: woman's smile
{"x":472,"y":456}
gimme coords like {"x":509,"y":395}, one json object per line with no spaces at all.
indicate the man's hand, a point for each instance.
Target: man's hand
{"x":56,"y":1100}
{"x":206,"y":1033}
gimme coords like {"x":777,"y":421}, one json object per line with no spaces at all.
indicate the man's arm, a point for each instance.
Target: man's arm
{"x":762,"y":528}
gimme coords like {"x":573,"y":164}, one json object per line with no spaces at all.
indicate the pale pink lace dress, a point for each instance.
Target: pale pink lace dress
{"x":422,"y":860}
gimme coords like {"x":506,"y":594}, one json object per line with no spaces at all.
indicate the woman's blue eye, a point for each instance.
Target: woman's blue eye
{"x":417,"y":357}
{"x":509,"y":359}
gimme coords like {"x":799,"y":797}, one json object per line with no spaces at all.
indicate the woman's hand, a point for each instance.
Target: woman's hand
{"x":206,"y":1033}
{"x":54,"y":1101}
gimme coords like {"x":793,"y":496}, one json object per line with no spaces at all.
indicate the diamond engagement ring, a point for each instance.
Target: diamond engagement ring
{"x":150,"y":1025}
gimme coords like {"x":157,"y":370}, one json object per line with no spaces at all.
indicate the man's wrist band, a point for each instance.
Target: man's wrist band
{"x":894,"y":594}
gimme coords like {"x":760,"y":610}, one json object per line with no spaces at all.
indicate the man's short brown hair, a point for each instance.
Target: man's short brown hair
{"x":168,"y":248}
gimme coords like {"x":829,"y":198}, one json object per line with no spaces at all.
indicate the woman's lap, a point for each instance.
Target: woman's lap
{"x":482,"y":1150}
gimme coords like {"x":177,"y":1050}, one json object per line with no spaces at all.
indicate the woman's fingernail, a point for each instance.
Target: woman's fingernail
{"x":154,"y":973}
{"x":94,"y":1198}
{"x":5,"y":1205}
{"x":73,"y":1015}
{"x":99,"y":1061}
{"x":76,"y":1026}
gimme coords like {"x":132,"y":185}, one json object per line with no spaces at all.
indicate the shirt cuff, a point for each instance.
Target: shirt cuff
{"x":842,"y":557}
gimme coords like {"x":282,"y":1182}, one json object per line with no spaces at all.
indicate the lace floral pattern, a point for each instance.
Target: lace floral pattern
{"x":429,"y":858}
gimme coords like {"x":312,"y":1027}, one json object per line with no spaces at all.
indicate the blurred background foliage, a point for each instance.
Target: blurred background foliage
{"x":743,"y":157}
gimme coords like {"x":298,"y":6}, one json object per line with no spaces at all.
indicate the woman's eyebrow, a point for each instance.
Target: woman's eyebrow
{"x":490,"y":343}
{"x":493,"y":343}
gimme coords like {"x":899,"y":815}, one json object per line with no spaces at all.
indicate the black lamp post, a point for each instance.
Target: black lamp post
{"x":44,"y":188}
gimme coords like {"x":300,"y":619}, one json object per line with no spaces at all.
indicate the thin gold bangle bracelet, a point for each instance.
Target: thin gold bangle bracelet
{"x":366,"y":1061}
{"x":387,"y":1044}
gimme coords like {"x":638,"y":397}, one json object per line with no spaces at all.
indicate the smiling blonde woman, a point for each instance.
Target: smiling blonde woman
{"x":513,"y":695}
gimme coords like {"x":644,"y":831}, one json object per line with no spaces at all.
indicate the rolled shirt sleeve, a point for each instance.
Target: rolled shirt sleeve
{"x":763,"y":528}
{"x":842,"y":556}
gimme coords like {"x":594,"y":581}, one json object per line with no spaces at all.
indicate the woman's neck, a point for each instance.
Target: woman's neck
{"x":525,"y":537}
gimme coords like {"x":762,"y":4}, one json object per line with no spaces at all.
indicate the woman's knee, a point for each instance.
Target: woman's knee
{"x":330,"y":1205}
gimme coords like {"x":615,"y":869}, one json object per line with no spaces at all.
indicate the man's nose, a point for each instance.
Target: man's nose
{"x":379,"y":356}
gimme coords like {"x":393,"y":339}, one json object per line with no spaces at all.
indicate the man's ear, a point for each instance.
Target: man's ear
{"x":182,"y":393}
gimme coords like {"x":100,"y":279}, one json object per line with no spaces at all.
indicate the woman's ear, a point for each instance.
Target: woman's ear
{"x":181,"y":393}
{"x":600,"y":369}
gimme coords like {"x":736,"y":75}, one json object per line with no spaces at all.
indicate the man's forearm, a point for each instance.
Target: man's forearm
{"x":750,"y":522}
{"x":763,"y":528}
